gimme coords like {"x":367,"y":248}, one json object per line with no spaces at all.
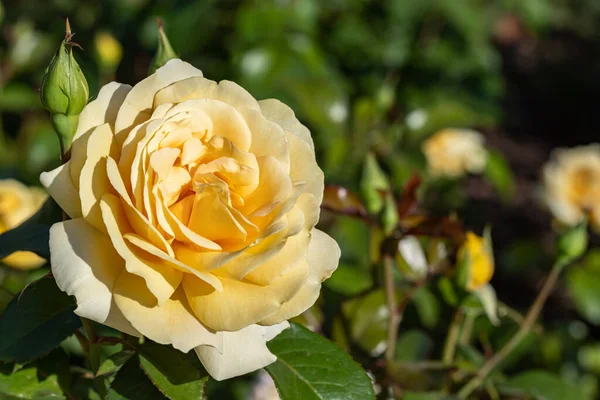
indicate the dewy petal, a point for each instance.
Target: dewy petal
{"x":202,"y":88}
{"x":60,"y":187}
{"x":173,"y":322}
{"x":284,"y":116}
{"x":139,"y":103}
{"x":102,"y":110}
{"x":161,"y":279}
{"x":93,"y":181}
{"x":241,"y":303}
{"x":85,"y":265}
{"x":243,"y":351}
{"x":323,"y":257}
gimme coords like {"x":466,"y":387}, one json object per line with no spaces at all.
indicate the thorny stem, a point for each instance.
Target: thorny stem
{"x":528,"y":324}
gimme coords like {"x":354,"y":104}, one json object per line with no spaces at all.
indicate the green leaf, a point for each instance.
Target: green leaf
{"x":36,"y":321}
{"x":131,"y":384}
{"x":543,"y":385}
{"x":413,"y":345}
{"x":33,"y":234}
{"x":114,"y":362}
{"x":368,"y":317}
{"x":349,"y":280}
{"x":584,"y":285}
{"x":45,"y":378}
{"x":309,"y":367}
{"x":172,"y":372}
{"x":499,"y":174}
{"x":428,"y":307}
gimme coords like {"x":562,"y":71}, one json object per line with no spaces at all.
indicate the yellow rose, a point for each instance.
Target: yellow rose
{"x":193,"y":213}
{"x":479,"y":259}
{"x":455,"y":152}
{"x":17,"y":203}
{"x":572,"y":184}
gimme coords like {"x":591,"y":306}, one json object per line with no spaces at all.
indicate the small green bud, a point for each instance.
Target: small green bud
{"x":573,"y":243}
{"x":64,"y":91}
{"x":372,"y":184}
{"x":164,"y":52}
{"x":64,"y":87}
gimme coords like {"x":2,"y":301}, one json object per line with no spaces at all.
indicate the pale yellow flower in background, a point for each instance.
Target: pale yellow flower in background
{"x":108,"y":49}
{"x":572,"y":184}
{"x":17,"y":203}
{"x":455,"y":152}
{"x":480,"y":261}
{"x":193,"y":210}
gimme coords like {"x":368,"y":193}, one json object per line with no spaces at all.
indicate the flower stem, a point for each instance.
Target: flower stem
{"x":94,"y":347}
{"x":453,"y":336}
{"x":526,"y":327}
{"x":394,"y":315}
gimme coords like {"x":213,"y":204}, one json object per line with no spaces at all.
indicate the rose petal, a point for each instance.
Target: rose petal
{"x":87,"y":272}
{"x":93,"y":180}
{"x":202,"y":88}
{"x":60,"y":187}
{"x":323,"y":257}
{"x":284,"y":116}
{"x":241,"y":303}
{"x":138,"y":104}
{"x":161,"y":279}
{"x":102,"y":110}
{"x":243,"y":351}
{"x":173,"y":322}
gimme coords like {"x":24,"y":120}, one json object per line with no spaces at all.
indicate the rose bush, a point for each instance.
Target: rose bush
{"x":193,"y":210}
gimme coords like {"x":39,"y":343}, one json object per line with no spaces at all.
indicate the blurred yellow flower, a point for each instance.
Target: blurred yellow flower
{"x":455,"y":152}
{"x":17,"y":203}
{"x":480,"y":261}
{"x":108,"y":49}
{"x":572,"y":184}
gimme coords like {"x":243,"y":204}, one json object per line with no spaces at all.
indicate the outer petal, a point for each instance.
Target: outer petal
{"x":85,"y":265}
{"x":59,"y":185}
{"x":93,"y":179}
{"x":281,"y":114}
{"x":102,"y":110}
{"x":170,"y":323}
{"x":138,"y":104}
{"x":323,"y":257}
{"x":241,"y":303}
{"x":202,"y":88}
{"x":244,"y":351}
{"x":303,"y":167}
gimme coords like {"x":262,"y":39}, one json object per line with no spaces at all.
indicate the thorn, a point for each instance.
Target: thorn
{"x":159,"y":23}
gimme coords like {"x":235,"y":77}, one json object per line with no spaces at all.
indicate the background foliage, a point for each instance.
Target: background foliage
{"x":377,"y":76}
